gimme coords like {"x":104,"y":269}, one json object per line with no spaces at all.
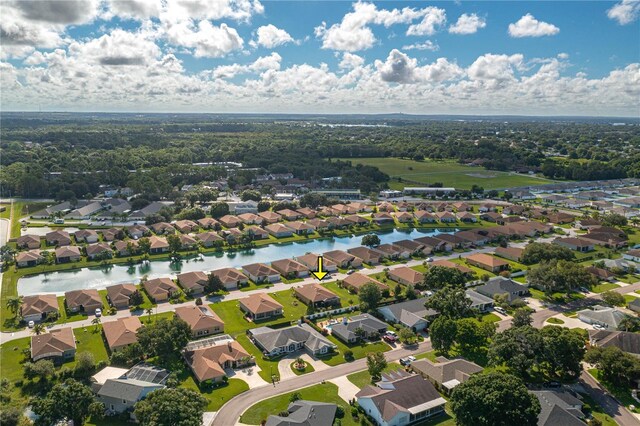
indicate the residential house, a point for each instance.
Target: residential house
{"x":260,"y":306}
{"x":58,"y":345}
{"x":400,"y":399}
{"x":209,"y":239}
{"x":587,"y":223}
{"x":343,"y":259}
{"x":393,"y":252}
{"x":231,"y":278}
{"x":488,"y":207}
{"x":576,"y":244}
{"x":356,"y":281}
{"x":187,"y":242}
{"x":36,"y":308}
{"x":305,"y":413}
{"x":84,"y":212}
{"x":278,"y":230}
{"x":445,"y":374}
{"x":160,"y":289}
{"x":29,"y":258}
{"x":256,"y":232}
{"x":501,"y":285}
{"x":250,"y":219}
{"x":634,"y":305}
{"x":202,"y":320}
{"x":121,"y":394}
{"x":270,"y":217}
{"x":348,"y":329}
{"x":505,"y":220}
{"x":163,"y":228}
{"x":452,"y":240}
{"x":601,"y":274}
{"x":112,"y":234}
{"x":338,"y":223}
{"x":121,"y":333}
{"x":230,"y":221}
{"x":28,"y":241}
{"x":248,"y":206}
{"x":561,"y":218}
{"x":300,"y":228}
{"x":289,"y":214}
{"x":88,"y":236}
{"x":466,"y":217}
{"x":319,"y":224}
{"x":207,"y":223}
{"x":357,"y":220}
{"x":307,"y":213}
{"x":98,"y":250}
{"x":606,"y":239}
{"x":633,"y":255}
{"x":310,"y":260}
{"x":290,"y":268}
{"x":185,"y":226}
{"x":478,"y":301}
{"x":472,"y":238}
{"x":274,"y":342}
{"x":367,"y":255}
{"x":446,"y":217}
{"x":210,"y":357}
{"x":261,"y":273}
{"x":559,"y":408}
{"x":126,"y":248}
{"x":385,"y":206}
{"x":437,"y":244}
{"x":87,"y":300}
{"x":119,"y":295}
{"x":57,"y":238}
{"x":609,"y":318}
{"x":194,"y":282}
{"x":415,"y":247}
{"x":411,"y":313}
{"x":404,"y":217}
{"x":623,"y":340}
{"x":490,"y":216}
{"x":511,"y":253}
{"x":137,"y":231}
{"x":487,"y":262}
{"x":382,"y":218}
{"x":407,"y":276}
{"x":513,"y":210}
{"x":423,"y":216}
{"x":316,"y":295}
{"x":158,"y":245}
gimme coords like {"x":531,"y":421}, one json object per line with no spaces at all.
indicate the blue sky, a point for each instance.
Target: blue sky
{"x":543,"y":57}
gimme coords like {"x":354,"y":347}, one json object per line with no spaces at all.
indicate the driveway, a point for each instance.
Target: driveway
{"x":570,"y":322}
{"x":249,"y":375}
{"x":4,"y":231}
{"x":346,"y":389}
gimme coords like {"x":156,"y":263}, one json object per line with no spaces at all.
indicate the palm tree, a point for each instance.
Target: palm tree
{"x":14,"y":304}
{"x":149,"y":312}
{"x":38,"y":329}
{"x":96,"y":321}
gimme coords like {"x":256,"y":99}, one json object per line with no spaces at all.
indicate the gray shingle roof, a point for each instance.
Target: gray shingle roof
{"x":367,"y":322}
{"x":306,"y":413}
{"x":271,"y":339}
{"x":408,"y":313}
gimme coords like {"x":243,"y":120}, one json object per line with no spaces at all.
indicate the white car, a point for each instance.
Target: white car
{"x":500,"y":310}
{"x":598,"y":327}
{"x":98,"y":312}
{"x":391,"y":333}
{"x":429,"y":259}
{"x":31,"y":324}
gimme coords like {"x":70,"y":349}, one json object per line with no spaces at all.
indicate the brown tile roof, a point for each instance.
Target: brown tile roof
{"x":185,"y":225}
{"x":97,"y":248}
{"x":299,"y":226}
{"x":32,"y":241}
{"x":207,"y":222}
{"x":199,"y":317}
{"x":514,"y":252}
{"x":259,"y":270}
{"x":287,"y":266}
{"x":208,"y":237}
{"x":160,"y":286}
{"x":158,"y":242}
{"x":365,"y":253}
{"x":407,"y":274}
{"x":229,"y":275}
{"x":39,"y":304}
{"x":121,"y":332}
{"x":315,"y":293}
{"x":446,"y":370}
{"x":450,"y":264}
{"x":27,"y":256}
{"x":190,"y":280}
{"x":87,"y":297}
{"x":338,"y":256}
{"x":67,"y":251}
{"x":487,"y":260}
{"x":357,"y":280}
{"x":269,"y":215}
{"x":206,"y":362}
{"x":260,"y":303}
{"x":187,"y":240}
{"x":119,"y":294}
{"x":277,"y":228}
{"x":250,"y":218}
{"x":61,"y":237}
{"x":54,"y":343}
{"x":310,"y":260}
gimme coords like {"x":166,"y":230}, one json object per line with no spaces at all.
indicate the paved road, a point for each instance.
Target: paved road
{"x":620,"y":414}
{"x":232,"y":410}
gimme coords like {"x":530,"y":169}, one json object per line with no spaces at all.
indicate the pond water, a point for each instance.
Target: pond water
{"x":99,"y":278}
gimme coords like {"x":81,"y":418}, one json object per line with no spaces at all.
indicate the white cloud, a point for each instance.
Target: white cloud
{"x":354,"y":33}
{"x":350,"y":61}
{"x":270,"y":36}
{"x":529,"y":26}
{"x":400,"y":68}
{"x":65,"y":12}
{"x":116,"y":49}
{"x":206,"y":40}
{"x":427,"y":45}
{"x":497,"y":68}
{"x":563,"y":55}
{"x":625,"y":12}
{"x":264,"y":63}
{"x":135,"y":9}
{"x":433,"y":19}
{"x":238,"y":10}
{"x":468,"y":24}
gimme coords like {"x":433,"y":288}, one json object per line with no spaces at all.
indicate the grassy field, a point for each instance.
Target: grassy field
{"x":601,"y":288}
{"x":308,"y":368}
{"x":449,"y":173}
{"x":326,"y":392}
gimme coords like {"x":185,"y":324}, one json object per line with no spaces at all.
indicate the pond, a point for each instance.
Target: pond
{"x":101,"y":277}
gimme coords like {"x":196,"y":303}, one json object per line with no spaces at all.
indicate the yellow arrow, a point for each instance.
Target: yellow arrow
{"x":319,"y":274}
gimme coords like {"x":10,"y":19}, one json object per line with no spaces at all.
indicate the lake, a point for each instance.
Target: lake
{"x":101,"y":277}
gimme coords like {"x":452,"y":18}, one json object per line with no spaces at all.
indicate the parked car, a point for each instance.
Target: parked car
{"x":500,"y":310}
{"x":584,"y":289}
{"x":350,"y":271}
{"x":31,"y":324}
{"x":389,"y":338}
{"x":429,"y":259}
{"x":407,"y":360}
{"x":98,"y":312}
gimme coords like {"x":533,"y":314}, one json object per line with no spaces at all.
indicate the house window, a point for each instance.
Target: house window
{"x":112,"y":407}
{"x":124,"y":401}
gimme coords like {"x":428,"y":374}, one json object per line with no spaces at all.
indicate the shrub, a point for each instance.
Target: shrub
{"x":348,"y":355}
{"x":339,"y":411}
{"x":354,"y":412}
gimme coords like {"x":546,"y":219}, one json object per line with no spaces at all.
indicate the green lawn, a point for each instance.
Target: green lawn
{"x":267,"y":367}
{"x":602,"y":287}
{"x":449,"y":173}
{"x":555,"y":321}
{"x":345,"y":296}
{"x":596,"y":410}
{"x":363,"y":378}
{"x":326,"y":392}
{"x":360,"y":350}
{"x":308,"y":368}
{"x":490,"y":318}
{"x":622,"y":395}
{"x":219,"y":396}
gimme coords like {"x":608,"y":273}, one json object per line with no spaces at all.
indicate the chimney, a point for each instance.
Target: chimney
{"x":229,"y":346}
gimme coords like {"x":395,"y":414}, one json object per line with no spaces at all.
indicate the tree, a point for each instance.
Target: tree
{"x":407,"y":336}
{"x":369,"y":295}
{"x":14,"y":304}
{"x":164,"y":338}
{"x":613,"y":219}
{"x":175,"y":245}
{"x":437,"y":277}
{"x":65,"y":401}
{"x":295,"y":397}
{"x":630,"y":324}
{"x":359,"y":332}
{"x":617,"y":367}
{"x":563,"y":351}
{"x":472,"y":335}
{"x":214,"y":284}
{"x":612,"y":298}
{"x":443,"y":333}
{"x":96,"y":321}
{"x":248,"y":194}
{"x":144,"y":245}
{"x":171,"y":406}
{"x":410,"y":292}
{"x":517,"y":348}
{"x":313,"y":200}
{"x":43,"y":369}
{"x":451,"y":302}
{"x":85,"y":365}
{"x":560,"y":276}
{"x":38,"y":329}
{"x":219,"y":209}
{"x":376,"y":363}
{"x":397,"y":292}
{"x":136,"y":298}
{"x":11,"y":416}
{"x":494,"y":399}
{"x":370,"y":240}
{"x":537,"y":252}
{"x":522,"y":317}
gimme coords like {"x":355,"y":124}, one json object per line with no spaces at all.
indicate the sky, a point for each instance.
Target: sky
{"x":253,"y":56}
